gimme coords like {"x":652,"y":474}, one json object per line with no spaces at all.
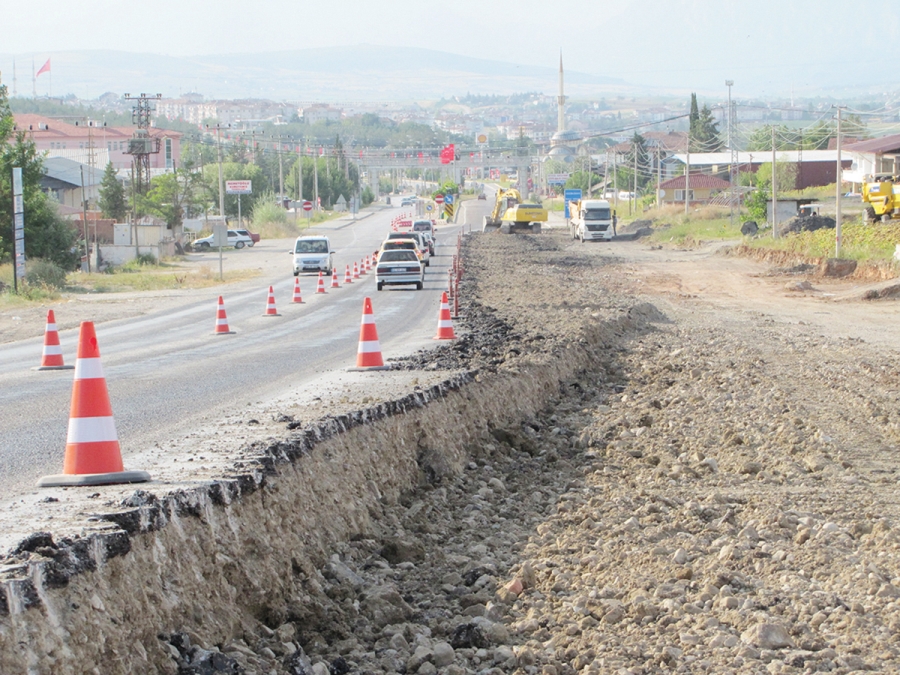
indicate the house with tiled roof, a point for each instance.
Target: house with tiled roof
{"x":95,"y":144}
{"x":701,"y":189}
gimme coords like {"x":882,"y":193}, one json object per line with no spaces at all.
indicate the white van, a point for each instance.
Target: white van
{"x":313,"y":254}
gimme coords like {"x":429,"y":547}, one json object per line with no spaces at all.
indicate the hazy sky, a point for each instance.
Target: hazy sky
{"x":765,"y":46}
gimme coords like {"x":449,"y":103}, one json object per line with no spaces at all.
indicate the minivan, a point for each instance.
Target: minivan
{"x":313,"y":254}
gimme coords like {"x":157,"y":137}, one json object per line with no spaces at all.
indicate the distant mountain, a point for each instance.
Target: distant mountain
{"x":356,"y":73}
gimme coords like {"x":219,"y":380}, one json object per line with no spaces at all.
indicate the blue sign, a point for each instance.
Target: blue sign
{"x":571,"y":196}
{"x":448,"y":199}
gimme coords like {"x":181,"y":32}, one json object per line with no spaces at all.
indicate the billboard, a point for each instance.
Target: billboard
{"x":238,"y":187}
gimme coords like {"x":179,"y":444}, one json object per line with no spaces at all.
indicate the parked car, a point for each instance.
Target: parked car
{"x":421,"y":243}
{"x":313,"y":254}
{"x":253,"y":235}
{"x":235,"y":238}
{"x":399,"y":266}
{"x":481,"y":195}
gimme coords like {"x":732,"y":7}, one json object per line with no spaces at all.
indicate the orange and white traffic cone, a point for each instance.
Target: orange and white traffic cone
{"x":369,"y":354}
{"x":93,"y":456}
{"x":356,"y":270}
{"x":362,"y":268}
{"x":347,"y":278}
{"x":334,"y":279}
{"x":270,"y":304}
{"x":221,"y":320}
{"x":321,"y":286}
{"x":297,"y":297}
{"x":52,"y":357}
{"x":445,"y":323}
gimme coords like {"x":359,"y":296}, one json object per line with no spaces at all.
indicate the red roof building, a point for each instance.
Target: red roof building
{"x":702,"y":188}
{"x":95,"y":144}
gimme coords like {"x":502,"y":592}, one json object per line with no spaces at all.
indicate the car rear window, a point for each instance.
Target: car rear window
{"x":401,"y":244}
{"x":398,"y":256}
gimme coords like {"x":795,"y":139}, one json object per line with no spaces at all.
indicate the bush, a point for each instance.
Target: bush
{"x":45,"y":273}
{"x":268,"y":210}
{"x":367,"y":196}
{"x":145,"y":259}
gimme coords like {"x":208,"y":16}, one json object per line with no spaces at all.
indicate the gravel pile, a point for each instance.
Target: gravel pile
{"x":716,"y":495}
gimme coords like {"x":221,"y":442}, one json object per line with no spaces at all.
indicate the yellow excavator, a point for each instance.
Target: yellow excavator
{"x":510,"y":215}
{"x":881,"y":195}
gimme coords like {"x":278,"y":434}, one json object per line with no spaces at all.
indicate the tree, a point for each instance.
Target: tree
{"x":112,"y":196}
{"x":172,"y":196}
{"x":704,"y":130}
{"x":46,"y":234}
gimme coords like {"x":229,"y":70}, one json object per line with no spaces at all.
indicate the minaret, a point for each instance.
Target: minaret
{"x":561,"y":100}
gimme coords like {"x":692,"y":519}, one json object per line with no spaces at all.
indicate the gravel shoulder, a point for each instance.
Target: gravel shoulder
{"x":716,"y":494}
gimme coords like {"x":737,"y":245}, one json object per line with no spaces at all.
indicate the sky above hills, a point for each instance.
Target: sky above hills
{"x":767,"y":47}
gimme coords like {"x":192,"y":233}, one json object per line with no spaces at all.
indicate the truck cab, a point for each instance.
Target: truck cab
{"x":592,"y":220}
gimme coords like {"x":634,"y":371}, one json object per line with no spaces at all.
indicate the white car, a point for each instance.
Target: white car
{"x":235,"y":238}
{"x":400,"y":266}
{"x":419,"y":238}
{"x":313,"y":254}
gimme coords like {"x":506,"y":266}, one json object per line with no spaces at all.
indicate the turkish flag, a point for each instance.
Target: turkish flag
{"x":44,"y":68}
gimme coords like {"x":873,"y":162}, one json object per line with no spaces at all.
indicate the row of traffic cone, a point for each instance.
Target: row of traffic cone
{"x":93,"y":455}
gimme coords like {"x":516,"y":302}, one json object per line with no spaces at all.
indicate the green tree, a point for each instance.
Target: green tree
{"x":173,"y":196}
{"x":704,"y":130}
{"x":112,"y":196}
{"x":46,"y":234}
{"x":207,"y":186}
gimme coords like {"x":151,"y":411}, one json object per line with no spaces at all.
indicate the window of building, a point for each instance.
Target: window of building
{"x":168,"y":153}
{"x":679,"y":195}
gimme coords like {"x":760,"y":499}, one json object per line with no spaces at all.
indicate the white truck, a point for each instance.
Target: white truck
{"x":591,"y":220}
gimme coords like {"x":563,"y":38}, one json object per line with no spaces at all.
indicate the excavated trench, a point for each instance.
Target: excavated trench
{"x":232,"y":576}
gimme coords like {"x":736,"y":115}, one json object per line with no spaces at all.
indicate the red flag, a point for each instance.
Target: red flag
{"x":44,"y":68}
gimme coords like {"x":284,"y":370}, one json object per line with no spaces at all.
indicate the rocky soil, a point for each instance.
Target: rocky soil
{"x":716,"y":495}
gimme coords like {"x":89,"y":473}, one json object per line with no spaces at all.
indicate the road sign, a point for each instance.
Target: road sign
{"x":439,"y":199}
{"x":448,"y":199}
{"x":307,"y":205}
{"x":557,"y":178}
{"x":571,"y":196}
{"x":238,"y":187}
{"x":428,"y":207}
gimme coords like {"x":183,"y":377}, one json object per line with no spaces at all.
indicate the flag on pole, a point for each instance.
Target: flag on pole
{"x":44,"y":68}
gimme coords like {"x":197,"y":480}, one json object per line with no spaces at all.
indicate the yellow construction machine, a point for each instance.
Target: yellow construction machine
{"x":510,"y":215}
{"x":881,"y":195}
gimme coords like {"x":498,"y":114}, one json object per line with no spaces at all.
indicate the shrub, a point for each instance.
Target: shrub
{"x":45,"y":273}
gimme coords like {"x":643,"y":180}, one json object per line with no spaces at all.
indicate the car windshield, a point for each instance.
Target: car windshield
{"x":596,"y":214}
{"x":398,"y":256}
{"x":315,"y":246}
{"x":422,"y":227}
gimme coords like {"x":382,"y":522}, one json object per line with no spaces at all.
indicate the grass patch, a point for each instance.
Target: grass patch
{"x":163,"y":276}
{"x":858,"y":242}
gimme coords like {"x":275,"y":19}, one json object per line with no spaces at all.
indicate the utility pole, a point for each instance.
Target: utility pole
{"x":615,"y":181}
{"x":732,"y":164}
{"x":658,"y":175}
{"x":280,"y":174}
{"x":635,"y":147}
{"x":316,"y":183}
{"x":774,"y":189}
{"x":837,"y":197}
{"x":687,"y":177}
{"x":87,"y":244}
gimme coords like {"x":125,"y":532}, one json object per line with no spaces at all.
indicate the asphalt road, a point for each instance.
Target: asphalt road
{"x":166,"y":372}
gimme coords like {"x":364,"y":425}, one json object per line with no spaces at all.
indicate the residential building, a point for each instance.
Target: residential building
{"x":878,"y":155}
{"x":701,"y":190}
{"x":59,"y":138}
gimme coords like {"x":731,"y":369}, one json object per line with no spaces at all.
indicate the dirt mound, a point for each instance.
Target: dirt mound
{"x":805,"y":224}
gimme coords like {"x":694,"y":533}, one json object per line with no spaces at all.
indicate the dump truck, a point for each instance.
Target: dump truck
{"x":591,"y":219}
{"x":881,"y":195}
{"x":510,"y":215}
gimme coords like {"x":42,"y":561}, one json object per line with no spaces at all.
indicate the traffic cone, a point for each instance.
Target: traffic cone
{"x":369,"y":354}
{"x":356,"y":270}
{"x":52,"y":358}
{"x":445,"y":323}
{"x":362,"y":268}
{"x":347,"y":278}
{"x":270,"y":304}
{"x":222,"y":320}
{"x":321,"y":287}
{"x":92,"y":456}
{"x":334,"y":279}
{"x":297,"y":298}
